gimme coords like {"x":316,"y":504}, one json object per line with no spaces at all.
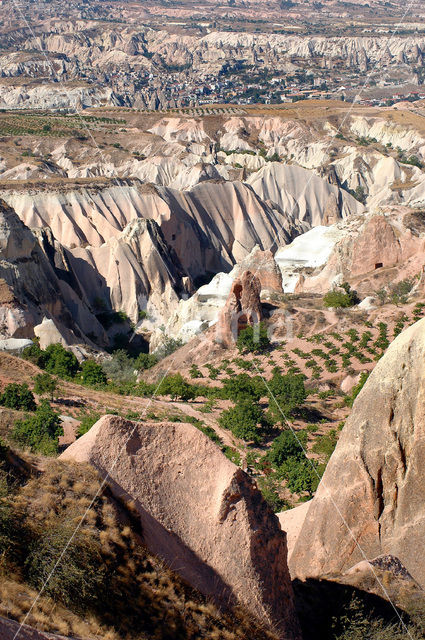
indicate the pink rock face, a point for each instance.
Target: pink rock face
{"x":262,"y":264}
{"x":378,"y":246}
{"x":243,"y":307}
{"x":370,"y":500}
{"x":199,"y":512}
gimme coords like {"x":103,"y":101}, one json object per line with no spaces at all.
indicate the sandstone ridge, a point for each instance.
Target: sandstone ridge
{"x":199,"y":512}
{"x":370,"y":500}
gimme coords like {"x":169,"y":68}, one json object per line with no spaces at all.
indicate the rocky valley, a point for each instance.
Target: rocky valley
{"x":212,"y":317}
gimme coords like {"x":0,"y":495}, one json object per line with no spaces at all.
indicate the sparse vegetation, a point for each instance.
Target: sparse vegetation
{"x":253,"y":339}
{"x":39,"y":432}
{"x":341,"y":299}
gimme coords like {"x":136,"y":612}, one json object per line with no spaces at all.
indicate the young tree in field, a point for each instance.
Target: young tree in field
{"x":92,"y":373}
{"x":45,"y":385}
{"x":18,"y":396}
{"x":40,"y":431}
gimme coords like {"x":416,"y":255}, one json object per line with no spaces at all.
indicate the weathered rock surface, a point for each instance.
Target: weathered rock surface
{"x":242,"y":308}
{"x":303,"y":195}
{"x":10,"y":630}
{"x":292,"y":521}
{"x":30,"y":287}
{"x":369,"y":251}
{"x":49,"y":332}
{"x":202,"y":310}
{"x":370,"y":500}
{"x":199,"y":511}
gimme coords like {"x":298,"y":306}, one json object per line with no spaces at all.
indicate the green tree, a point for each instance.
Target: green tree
{"x":18,"y":396}
{"x":246,"y":420}
{"x":39,"y":432}
{"x":176,"y":387}
{"x":253,"y":339}
{"x":302,"y":476}
{"x":287,"y":446}
{"x":45,"y":384}
{"x":92,"y":373}
{"x":145,"y":361}
{"x":243,"y":386}
{"x":61,"y":362}
{"x":35,"y":355}
{"x":286,"y":393}
{"x":341,"y":299}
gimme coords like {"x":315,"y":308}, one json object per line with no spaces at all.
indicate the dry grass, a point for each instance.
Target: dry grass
{"x":143,"y":598}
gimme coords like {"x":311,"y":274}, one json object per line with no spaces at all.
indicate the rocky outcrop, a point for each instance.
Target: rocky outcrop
{"x":302,"y":195}
{"x":49,"y":332}
{"x":198,"y":511}
{"x":370,"y":500}
{"x":370,"y":252}
{"x":210,"y":227}
{"x":242,"y":308}
{"x":31,"y":286}
{"x":202,"y":309}
{"x":10,"y":630}
{"x":135,"y":271}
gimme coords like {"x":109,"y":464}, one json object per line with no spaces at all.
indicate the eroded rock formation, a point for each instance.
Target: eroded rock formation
{"x":199,"y":511}
{"x":370,"y":500}
{"x":242,"y":308}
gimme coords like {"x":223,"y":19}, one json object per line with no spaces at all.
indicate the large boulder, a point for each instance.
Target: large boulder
{"x":199,"y":512}
{"x":370,"y":501}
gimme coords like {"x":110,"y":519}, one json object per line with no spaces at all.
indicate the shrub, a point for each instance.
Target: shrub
{"x":195,"y":372}
{"x":145,"y":361}
{"x":213,"y":371}
{"x":35,"y":355}
{"x":349,"y":400}
{"x":399,"y":292}
{"x":253,"y":339}
{"x":61,"y":362}
{"x":246,"y":420}
{"x":169,"y":346}
{"x":233,"y":455}
{"x":269,"y":489}
{"x":18,"y":396}
{"x":92,"y":373}
{"x":286,"y":446}
{"x":78,"y":579}
{"x":45,"y":385}
{"x":341,"y":299}
{"x":120,"y":367}
{"x":302,"y":476}
{"x":40,"y":431}
{"x":144,"y":389}
{"x":326,"y":444}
